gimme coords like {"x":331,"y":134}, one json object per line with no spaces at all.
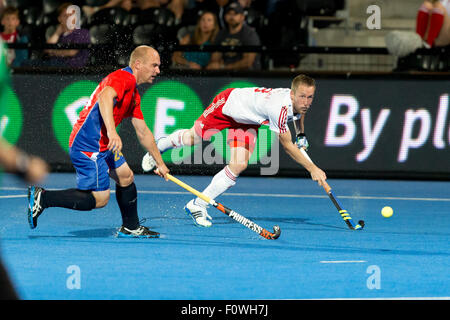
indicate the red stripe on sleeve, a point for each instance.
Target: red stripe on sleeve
{"x":282,"y":120}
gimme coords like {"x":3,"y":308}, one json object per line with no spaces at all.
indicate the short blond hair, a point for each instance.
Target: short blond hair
{"x":140,"y":53}
{"x":302,"y":79}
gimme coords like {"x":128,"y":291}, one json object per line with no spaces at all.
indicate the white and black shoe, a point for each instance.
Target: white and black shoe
{"x":199,"y":214}
{"x":140,"y":232}
{"x":148,"y":163}
{"x":34,"y":205}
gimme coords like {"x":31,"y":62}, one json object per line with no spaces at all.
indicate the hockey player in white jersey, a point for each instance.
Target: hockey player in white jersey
{"x":243,"y":111}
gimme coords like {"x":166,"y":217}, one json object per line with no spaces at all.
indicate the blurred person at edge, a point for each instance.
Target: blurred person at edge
{"x":28,"y":168}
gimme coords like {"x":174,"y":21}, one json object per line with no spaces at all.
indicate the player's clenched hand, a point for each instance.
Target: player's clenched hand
{"x":115,"y":143}
{"x":318,"y":175}
{"x":301,"y":141}
{"x":162,"y":171}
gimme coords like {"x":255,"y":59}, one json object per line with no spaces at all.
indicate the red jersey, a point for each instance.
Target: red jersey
{"x":89,"y":132}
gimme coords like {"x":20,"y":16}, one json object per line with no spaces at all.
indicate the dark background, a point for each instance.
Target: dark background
{"x":37,"y":94}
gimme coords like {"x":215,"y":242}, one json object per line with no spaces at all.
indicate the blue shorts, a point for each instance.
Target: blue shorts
{"x":93,"y":168}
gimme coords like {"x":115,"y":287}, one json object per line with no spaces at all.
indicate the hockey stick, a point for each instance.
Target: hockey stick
{"x":344,"y":214}
{"x":232,"y":214}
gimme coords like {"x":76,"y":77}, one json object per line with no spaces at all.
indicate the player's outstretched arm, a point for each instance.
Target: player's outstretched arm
{"x":294,"y":152}
{"x":147,"y":140}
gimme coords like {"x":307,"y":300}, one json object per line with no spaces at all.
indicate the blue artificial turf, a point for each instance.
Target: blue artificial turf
{"x":316,"y":257}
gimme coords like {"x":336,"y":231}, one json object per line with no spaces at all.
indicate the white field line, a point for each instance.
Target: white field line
{"x":393,"y":298}
{"x":343,"y":261}
{"x":262,"y":195}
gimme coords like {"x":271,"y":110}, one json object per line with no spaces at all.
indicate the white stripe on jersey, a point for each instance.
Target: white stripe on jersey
{"x":213,"y":107}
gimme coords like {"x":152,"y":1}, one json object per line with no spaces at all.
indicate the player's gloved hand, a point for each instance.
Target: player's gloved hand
{"x":301,"y":141}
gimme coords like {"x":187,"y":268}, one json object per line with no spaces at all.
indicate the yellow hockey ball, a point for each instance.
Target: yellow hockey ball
{"x":387,"y":212}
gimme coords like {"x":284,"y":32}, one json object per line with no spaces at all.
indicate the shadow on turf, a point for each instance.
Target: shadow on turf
{"x":91,"y":233}
{"x":111,"y":232}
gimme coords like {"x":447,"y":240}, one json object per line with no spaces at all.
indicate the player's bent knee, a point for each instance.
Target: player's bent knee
{"x":101,"y":204}
{"x":101,"y":198}
{"x":125,"y":178}
{"x":129,"y":179}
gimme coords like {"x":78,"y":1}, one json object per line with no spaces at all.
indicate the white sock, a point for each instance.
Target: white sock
{"x":173,"y":140}
{"x":221,"y":182}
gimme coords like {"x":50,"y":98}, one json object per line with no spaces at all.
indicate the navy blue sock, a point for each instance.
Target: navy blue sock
{"x":127,"y":200}
{"x":75,"y":199}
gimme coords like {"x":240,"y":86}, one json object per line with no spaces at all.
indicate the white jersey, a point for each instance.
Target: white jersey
{"x":263,"y":106}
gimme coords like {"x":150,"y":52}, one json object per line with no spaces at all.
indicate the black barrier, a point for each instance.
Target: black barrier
{"x":434,"y":59}
{"x":377,"y":127}
{"x":303,"y":49}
